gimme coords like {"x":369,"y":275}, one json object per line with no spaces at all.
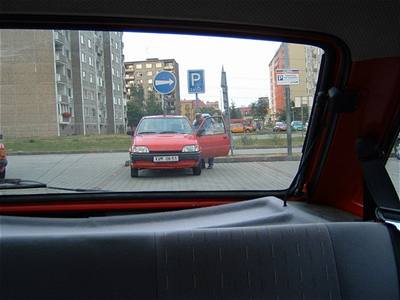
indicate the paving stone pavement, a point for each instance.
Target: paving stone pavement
{"x":107,"y":171}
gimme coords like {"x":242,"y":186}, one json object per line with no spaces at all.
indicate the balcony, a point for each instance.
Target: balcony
{"x":61,"y":78}
{"x":59,"y":38}
{"x":61,"y":58}
{"x":64,"y":99}
{"x":168,"y":67}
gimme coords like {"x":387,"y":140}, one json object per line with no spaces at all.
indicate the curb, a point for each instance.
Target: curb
{"x":256,"y":158}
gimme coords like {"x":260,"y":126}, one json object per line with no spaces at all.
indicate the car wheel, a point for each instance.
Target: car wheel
{"x":196,"y":170}
{"x":397,"y":149}
{"x":134,"y":172}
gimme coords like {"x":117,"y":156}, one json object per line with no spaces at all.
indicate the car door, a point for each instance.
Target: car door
{"x":213,"y":137}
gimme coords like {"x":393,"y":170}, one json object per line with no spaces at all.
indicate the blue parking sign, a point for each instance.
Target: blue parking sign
{"x":196,"y":83}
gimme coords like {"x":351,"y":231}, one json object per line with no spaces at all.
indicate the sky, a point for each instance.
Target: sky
{"x":245,"y":62}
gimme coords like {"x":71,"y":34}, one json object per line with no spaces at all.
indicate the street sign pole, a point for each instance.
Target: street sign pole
{"x":196,"y":102}
{"x":288,"y":121}
{"x":287,"y":100}
{"x":224,"y":86}
{"x":162,"y":104}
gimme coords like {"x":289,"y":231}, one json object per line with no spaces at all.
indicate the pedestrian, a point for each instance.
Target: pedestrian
{"x":3,"y":161}
{"x":209,"y":128}
{"x":197,"y":121}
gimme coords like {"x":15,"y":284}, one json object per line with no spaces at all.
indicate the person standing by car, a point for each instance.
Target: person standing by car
{"x":3,"y":161}
{"x":197,"y":121}
{"x":208,"y":127}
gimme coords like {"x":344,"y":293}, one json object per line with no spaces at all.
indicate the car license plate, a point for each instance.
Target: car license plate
{"x":165,"y":158}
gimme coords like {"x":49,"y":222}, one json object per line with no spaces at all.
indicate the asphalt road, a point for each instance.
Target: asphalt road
{"x":107,"y":171}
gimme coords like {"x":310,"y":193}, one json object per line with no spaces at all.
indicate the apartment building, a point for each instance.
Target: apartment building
{"x":143,"y":72}
{"x":305,"y":59}
{"x":61,"y":83}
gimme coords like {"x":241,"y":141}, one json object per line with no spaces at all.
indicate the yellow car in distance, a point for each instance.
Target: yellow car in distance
{"x":237,"y":128}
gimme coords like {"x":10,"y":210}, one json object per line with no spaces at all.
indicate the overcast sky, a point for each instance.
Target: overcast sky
{"x":245,"y":62}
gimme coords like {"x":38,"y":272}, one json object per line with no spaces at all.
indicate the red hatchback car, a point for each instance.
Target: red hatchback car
{"x":170,"y":142}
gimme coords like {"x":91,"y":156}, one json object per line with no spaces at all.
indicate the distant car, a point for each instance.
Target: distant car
{"x":280,"y":126}
{"x":3,"y":161}
{"x":169,"y":142}
{"x":297,"y":125}
{"x":237,"y":128}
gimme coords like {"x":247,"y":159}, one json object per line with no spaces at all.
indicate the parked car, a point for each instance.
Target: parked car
{"x":169,"y":142}
{"x":237,"y":128}
{"x":279,"y":126}
{"x":297,"y":125}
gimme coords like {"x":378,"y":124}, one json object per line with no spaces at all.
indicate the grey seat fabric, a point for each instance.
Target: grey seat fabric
{"x":311,"y":261}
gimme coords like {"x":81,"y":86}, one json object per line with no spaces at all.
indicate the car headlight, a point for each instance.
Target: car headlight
{"x":191,"y":148}
{"x":140,"y":149}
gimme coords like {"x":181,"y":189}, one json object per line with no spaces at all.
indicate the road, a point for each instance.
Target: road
{"x":107,"y":171}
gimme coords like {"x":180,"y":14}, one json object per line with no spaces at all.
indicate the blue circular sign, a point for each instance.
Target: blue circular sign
{"x":164,"y":82}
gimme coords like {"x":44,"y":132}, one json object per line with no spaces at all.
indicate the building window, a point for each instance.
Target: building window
{"x":90,"y":61}
{"x":150,"y":81}
{"x":139,"y":75}
{"x":91,"y":78}
{"x":83,"y":57}
{"x":116,"y":59}
{"x":138,"y":66}
{"x":84,"y":74}
{"x":89,"y":43}
{"x":116,"y":45}
{"x":82,"y":40}
{"x":149,"y":66}
{"x":118,"y":88}
{"x":69,"y":92}
{"x":93,"y":112}
{"x":115,"y":100}
{"x":112,"y":56}
{"x":158,"y":65}
{"x":149,"y":73}
{"x":149,"y":88}
{"x":69,"y":73}
{"x":112,"y":71}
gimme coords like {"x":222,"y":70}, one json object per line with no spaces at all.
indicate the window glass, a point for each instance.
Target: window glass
{"x":393,"y":165}
{"x":254,"y":97}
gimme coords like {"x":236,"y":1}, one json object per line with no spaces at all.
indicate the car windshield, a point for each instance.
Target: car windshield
{"x":164,"y":125}
{"x":149,"y":112}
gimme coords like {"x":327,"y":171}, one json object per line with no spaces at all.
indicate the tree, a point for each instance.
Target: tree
{"x":153,"y":105}
{"x":207,"y":110}
{"x":259,"y":109}
{"x":134,"y":112}
{"x":135,"y":105}
{"x":235,"y":111}
{"x":137,"y":93}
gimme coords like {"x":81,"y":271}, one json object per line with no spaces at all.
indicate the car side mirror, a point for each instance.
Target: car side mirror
{"x":200,"y":132}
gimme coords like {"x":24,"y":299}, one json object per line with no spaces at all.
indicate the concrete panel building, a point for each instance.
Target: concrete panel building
{"x":62,"y":86}
{"x":143,"y":72}
{"x":305,"y":59}
{"x":28,"y":95}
